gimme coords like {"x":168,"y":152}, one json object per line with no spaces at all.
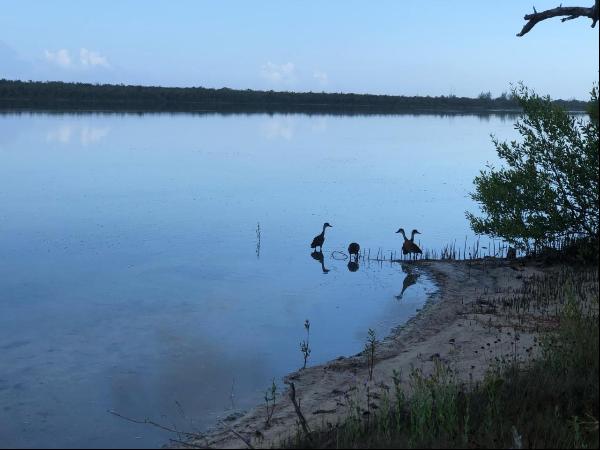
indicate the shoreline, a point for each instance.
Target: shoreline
{"x":456,"y":326}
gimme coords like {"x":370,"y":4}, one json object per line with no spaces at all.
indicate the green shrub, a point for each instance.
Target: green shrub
{"x":547,"y":189}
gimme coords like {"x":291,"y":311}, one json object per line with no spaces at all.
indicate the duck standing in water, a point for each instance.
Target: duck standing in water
{"x":320,"y":238}
{"x":354,"y":249}
{"x":409,"y":245}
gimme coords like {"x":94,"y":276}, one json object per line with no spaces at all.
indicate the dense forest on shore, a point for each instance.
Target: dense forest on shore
{"x":56,"y":95}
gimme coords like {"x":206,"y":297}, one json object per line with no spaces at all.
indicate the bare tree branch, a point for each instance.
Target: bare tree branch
{"x":299,"y":412}
{"x":571,"y":12}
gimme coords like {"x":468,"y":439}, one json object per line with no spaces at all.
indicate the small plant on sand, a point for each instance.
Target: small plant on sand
{"x":370,"y":347}
{"x":270,"y":397}
{"x":304,"y":345}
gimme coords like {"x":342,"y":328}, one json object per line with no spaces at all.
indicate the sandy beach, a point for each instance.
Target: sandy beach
{"x":460,"y":326}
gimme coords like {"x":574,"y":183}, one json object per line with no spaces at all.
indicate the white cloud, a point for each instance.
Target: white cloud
{"x":321,"y":77}
{"x":60,"y":57}
{"x":87,"y":59}
{"x":279,"y":73}
{"x":288,"y":75}
{"x":91,"y":58}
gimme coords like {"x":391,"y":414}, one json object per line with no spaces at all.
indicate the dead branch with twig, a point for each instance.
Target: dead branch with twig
{"x":301,"y":417}
{"x":566,"y":12}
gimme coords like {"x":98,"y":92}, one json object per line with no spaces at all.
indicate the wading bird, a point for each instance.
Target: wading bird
{"x":353,"y":249}
{"x":409,"y":245}
{"x":320,"y":238}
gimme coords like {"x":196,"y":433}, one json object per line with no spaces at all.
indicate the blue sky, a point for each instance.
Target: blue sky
{"x":388,"y":47}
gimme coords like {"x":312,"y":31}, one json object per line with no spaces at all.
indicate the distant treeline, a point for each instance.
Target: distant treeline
{"x":60,"y":96}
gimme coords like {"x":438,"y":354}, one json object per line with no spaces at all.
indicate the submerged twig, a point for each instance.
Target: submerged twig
{"x":147,"y":421}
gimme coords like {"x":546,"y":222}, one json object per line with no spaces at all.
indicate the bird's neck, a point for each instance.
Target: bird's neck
{"x":323,"y":232}
{"x":404,"y":235}
{"x":412,"y":236}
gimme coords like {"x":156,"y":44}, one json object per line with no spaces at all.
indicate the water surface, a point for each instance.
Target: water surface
{"x":159,"y":264}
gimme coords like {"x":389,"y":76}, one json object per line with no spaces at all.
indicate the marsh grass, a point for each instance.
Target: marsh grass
{"x":550,"y":401}
{"x":568,"y":249}
{"x":258,"y":235}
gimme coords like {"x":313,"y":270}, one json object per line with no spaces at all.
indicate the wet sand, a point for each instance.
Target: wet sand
{"x":459,"y":326}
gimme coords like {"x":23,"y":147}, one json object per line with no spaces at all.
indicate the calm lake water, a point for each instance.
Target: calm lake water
{"x":151,"y":261}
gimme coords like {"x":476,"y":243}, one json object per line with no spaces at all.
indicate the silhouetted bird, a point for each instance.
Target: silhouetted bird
{"x":319,"y":257}
{"x":409,"y":246}
{"x":320,"y":238}
{"x":353,"y":249}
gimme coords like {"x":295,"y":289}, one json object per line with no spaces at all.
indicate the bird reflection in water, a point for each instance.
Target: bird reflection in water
{"x":319,"y":257}
{"x":353,"y":266}
{"x":410,"y":279}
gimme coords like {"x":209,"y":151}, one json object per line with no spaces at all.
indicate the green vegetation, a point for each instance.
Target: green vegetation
{"x":549,"y":402}
{"x":81,"y":96}
{"x":304,"y":345}
{"x":370,"y":347}
{"x":548,"y":189}
{"x":270,"y":398}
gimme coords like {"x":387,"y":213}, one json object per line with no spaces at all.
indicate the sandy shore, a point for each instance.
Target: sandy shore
{"x":459,"y":326}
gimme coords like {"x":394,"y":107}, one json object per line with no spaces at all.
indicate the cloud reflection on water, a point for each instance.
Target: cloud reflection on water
{"x":83,"y":134}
